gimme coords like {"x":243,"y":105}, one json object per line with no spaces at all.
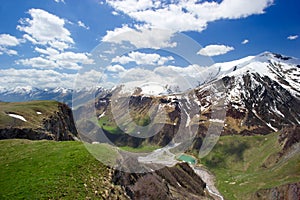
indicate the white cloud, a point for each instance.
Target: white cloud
{"x":142,"y":75}
{"x":11,"y":78}
{"x":65,"y":60}
{"x":190,"y":71}
{"x":188,"y":77}
{"x":7,"y":41}
{"x":183,"y":15}
{"x":10,"y":52}
{"x":165,"y":76}
{"x":143,"y":58}
{"x":215,"y":50}
{"x":115,"y":68}
{"x":292,"y":37}
{"x":140,"y":37}
{"x":131,"y":5}
{"x":71,"y":60}
{"x":81,"y":24}
{"x":245,"y":41}
{"x":38,"y":62}
{"x":58,"y":1}
{"x":47,"y":51}
{"x":45,"y":28}
{"x":114,"y":13}
{"x":177,"y":16}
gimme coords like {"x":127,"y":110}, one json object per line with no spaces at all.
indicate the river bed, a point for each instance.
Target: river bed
{"x":208,"y":178}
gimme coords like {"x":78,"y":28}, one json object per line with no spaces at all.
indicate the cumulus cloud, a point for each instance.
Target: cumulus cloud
{"x":115,"y":68}
{"x":292,"y":37}
{"x":143,"y":58}
{"x":185,"y":15}
{"x":48,"y":32}
{"x":10,"y":78}
{"x":45,"y":28}
{"x":10,"y":52}
{"x":47,"y":51}
{"x":53,"y":59}
{"x":131,"y":5}
{"x":7,"y":41}
{"x":182,"y":15}
{"x":182,"y":78}
{"x":38,"y":62}
{"x":214,"y":50}
{"x":81,"y":24}
{"x":245,"y":41}
{"x":141,"y":36}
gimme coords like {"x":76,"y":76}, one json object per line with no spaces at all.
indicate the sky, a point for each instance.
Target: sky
{"x":55,"y":43}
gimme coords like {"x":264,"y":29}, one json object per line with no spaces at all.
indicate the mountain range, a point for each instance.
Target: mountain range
{"x":254,"y":95}
{"x":259,"y":93}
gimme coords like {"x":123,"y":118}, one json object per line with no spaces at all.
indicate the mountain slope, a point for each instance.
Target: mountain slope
{"x":263,"y":95}
{"x":249,"y":167}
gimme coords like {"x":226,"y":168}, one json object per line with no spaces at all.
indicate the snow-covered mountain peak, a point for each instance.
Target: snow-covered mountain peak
{"x":60,"y":90}
{"x":22,"y":89}
{"x":277,"y":57}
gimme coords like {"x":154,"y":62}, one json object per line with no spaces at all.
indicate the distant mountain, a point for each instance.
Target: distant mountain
{"x":28,"y":93}
{"x":64,"y":95}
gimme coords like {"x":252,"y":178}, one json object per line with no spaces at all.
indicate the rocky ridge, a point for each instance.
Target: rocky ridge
{"x":40,"y":120}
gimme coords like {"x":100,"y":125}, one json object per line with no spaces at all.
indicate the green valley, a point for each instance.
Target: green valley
{"x":245,"y":164}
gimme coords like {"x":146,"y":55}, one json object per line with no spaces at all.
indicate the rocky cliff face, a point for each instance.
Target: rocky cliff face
{"x":170,"y":183}
{"x":286,"y":192}
{"x":289,"y":137}
{"x":40,"y":120}
{"x":61,"y":126}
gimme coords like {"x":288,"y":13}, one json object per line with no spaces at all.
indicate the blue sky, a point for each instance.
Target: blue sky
{"x":44,"y":43}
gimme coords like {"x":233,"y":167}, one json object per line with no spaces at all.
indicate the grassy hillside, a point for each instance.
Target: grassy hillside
{"x":29,"y":110}
{"x":243,"y":165}
{"x":52,"y":170}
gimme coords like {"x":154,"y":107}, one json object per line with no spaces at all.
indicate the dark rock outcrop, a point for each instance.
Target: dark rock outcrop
{"x":289,"y":136}
{"x":283,"y":192}
{"x":177,"y":182}
{"x":61,"y":125}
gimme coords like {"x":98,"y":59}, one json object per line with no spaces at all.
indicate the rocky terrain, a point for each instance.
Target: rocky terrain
{"x":288,"y":192}
{"x":178,"y":182}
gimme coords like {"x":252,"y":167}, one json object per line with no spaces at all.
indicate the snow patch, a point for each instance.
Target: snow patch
{"x":101,"y":115}
{"x":273,"y":128}
{"x":17,"y":117}
{"x":217,"y":120}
